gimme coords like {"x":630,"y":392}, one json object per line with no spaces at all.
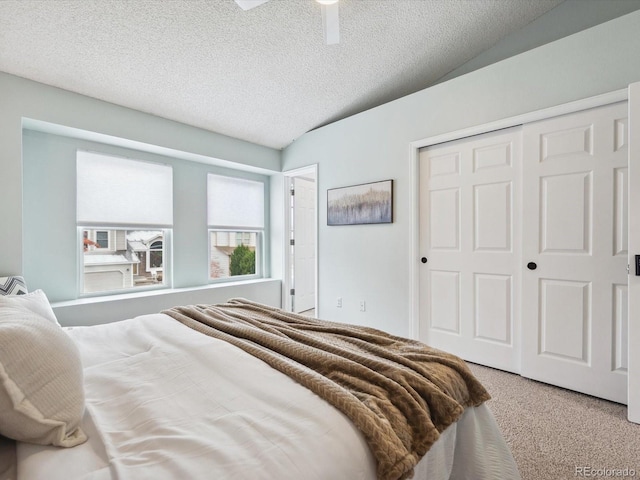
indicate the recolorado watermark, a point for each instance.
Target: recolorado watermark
{"x":604,"y":472}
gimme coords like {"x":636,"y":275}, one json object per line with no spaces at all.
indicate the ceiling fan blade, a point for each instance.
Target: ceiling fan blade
{"x":330,"y":23}
{"x":249,"y":4}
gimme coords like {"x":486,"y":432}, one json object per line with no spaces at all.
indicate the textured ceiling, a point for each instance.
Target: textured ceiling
{"x":263,"y":75}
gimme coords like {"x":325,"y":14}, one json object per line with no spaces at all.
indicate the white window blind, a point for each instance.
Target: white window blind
{"x":235,"y":202}
{"x":118,"y":191}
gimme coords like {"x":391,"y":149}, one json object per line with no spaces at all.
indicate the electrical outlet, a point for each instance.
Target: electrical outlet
{"x":363,"y":306}
{"x":339,"y":302}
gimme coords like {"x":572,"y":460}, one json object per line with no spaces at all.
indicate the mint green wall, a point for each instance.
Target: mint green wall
{"x":570,"y":16}
{"x":23,"y":102}
{"x":20,"y":98}
{"x":50,"y":258}
{"x":372,"y":263}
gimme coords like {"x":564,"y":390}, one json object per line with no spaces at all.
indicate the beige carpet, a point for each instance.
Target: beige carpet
{"x":556,"y":434}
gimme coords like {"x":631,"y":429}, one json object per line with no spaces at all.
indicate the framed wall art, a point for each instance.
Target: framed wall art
{"x":361,"y":204}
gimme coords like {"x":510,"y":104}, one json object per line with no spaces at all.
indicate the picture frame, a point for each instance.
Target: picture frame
{"x":367,"y":203}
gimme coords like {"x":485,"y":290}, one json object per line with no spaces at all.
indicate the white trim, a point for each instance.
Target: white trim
{"x":286,"y":281}
{"x":633,"y":326}
{"x":414,"y":273}
{"x":556,"y":111}
{"x":414,"y":153}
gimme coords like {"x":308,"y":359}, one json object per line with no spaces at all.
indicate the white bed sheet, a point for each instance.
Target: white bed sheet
{"x":166,"y":402}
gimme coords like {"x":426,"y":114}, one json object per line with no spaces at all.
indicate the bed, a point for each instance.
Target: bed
{"x":161,"y":399}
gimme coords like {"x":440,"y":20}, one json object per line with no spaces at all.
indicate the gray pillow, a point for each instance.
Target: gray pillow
{"x":13,"y":285}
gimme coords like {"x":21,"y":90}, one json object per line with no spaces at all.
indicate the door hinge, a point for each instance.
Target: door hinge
{"x":292,"y":291}
{"x":292,"y":242}
{"x":293,"y":192}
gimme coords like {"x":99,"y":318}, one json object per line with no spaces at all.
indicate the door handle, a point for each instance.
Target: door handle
{"x":532,"y":265}
{"x":423,"y":259}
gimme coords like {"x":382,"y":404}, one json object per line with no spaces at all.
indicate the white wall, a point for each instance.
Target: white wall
{"x":34,"y":105}
{"x":372,"y":263}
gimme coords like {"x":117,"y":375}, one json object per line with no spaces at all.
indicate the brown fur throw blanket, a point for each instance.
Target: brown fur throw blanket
{"x":400,"y":393}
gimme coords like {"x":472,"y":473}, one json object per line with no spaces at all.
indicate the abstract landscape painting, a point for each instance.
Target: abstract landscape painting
{"x":361,"y":204}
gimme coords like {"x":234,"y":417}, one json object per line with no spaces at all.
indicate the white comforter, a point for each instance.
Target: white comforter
{"x":166,"y":402}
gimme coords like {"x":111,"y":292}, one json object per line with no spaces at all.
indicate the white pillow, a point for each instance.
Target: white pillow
{"x":41,"y":380}
{"x":36,"y":301}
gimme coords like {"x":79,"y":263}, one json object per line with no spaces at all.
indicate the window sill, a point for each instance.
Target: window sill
{"x":159,"y":292}
{"x":107,"y":309}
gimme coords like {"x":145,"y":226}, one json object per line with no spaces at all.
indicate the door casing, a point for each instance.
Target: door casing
{"x":287,"y":284}
{"x":633,"y":311}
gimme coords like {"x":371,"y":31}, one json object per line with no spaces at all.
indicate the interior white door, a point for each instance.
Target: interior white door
{"x":634,"y":249}
{"x":574,"y":295}
{"x":304,"y":247}
{"x":470,"y":243}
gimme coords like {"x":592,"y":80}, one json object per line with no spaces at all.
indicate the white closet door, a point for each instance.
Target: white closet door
{"x":634,"y":249}
{"x":574,"y":303}
{"x":470,"y":240}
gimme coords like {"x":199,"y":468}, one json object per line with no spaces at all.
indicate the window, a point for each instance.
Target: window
{"x":236,"y":227}
{"x":244,"y":238}
{"x":124,"y":213}
{"x":154,"y":254}
{"x":102,"y":239}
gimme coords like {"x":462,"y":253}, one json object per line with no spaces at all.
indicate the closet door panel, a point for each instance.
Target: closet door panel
{"x":564,"y":319}
{"x":574,"y":204}
{"x":445,"y":301}
{"x":493,"y":310}
{"x":469,"y":233}
{"x":445,"y":219}
{"x":492,"y":217}
{"x":565,"y":213}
